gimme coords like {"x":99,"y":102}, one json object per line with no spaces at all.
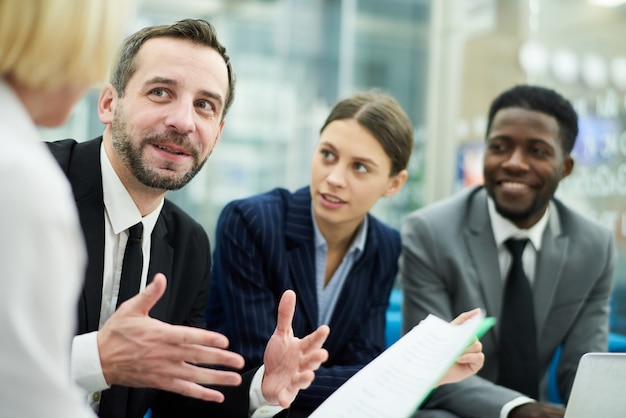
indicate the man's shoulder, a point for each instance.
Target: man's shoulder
{"x":178,"y":220}
{"x":70,"y":144}
{"x":574,"y":222}
{"x":64,"y":150}
{"x":62,"y":144}
{"x":452,"y":207}
{"x":274,"y":203}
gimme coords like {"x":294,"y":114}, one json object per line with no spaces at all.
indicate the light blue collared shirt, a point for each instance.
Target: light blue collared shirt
{"x":327,"y":295}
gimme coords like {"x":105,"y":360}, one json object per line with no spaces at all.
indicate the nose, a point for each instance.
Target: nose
{"x":180,"y":116}
{"x":337,"y":177}
{"x":516,"y":160}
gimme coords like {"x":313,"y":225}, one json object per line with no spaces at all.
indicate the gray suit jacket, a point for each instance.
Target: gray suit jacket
{"x":449,"y":264}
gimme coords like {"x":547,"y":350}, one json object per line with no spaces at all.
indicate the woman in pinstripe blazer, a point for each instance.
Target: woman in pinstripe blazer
{"x":321,"y":242}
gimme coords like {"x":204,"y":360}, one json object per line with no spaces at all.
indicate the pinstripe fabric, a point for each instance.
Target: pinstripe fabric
{"x":265,"y":245}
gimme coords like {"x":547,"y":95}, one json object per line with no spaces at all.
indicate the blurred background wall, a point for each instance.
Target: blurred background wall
{"x":443,"y":60}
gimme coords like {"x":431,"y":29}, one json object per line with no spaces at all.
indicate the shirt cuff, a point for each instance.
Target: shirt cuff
{"x":86,"y":368}
{"x":259,"y":407}
{"x":508,"y":407}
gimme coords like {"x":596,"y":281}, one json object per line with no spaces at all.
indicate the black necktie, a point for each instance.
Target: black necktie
{"x":518,"y":336}
{"x":132,"y":265}
{"x":113,"y":401}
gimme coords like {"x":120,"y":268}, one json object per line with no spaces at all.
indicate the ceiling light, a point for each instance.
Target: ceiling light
{"x":607,"y":3}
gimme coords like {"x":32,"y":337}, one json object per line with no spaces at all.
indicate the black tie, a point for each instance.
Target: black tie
{"x":518,"y":336}
{"x":132,"y":265}
{"x":113,"y":401}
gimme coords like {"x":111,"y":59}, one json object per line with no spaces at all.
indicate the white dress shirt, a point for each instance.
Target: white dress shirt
{"x":42,"y":265}
{"x":120,"y":214}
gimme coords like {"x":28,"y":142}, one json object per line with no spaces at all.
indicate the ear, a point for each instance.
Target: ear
{"x":395,"y":183}
{"x":219,"y":135}
{"x":217,"y":138}
{"x":106,"y":103}
{"x":219,"y":132}
{"x":568,"y":166}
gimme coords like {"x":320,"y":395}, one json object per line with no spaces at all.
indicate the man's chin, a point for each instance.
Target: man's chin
{"x":513,"y":214}
{"x":160,"y":182}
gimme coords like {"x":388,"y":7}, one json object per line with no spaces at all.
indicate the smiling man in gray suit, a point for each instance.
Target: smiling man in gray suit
{"x":454,"y":258}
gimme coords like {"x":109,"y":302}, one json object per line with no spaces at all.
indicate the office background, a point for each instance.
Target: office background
{"x":444,"y":61}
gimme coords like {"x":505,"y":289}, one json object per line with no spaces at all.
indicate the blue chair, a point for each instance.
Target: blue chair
{"x":617,"y":344}
{"x":553,"y":389}
{"x":393,"y":328}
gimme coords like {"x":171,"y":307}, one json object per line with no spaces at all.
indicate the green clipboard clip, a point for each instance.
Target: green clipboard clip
{"x":485,"y":326}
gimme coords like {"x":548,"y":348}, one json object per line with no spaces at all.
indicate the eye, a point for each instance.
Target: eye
{"x":496,"y":146}
{"x":361,"y":168}
{"x":540,"y":151}
{"x":159,"y":92}
{"x":327,"y":155}
{"x":204,"y":104}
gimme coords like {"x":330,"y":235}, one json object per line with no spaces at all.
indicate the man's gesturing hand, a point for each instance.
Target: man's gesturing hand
{"x":290,"y":362}
{"x":139,"y":351}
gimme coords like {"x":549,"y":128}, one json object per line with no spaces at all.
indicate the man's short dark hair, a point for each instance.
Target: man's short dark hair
{"x":544,"y":100}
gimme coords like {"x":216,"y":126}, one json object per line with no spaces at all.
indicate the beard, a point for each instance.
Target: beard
{"x":132,"y":156}
{"x":517,"y":215}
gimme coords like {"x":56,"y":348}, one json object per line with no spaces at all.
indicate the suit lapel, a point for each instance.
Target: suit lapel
{"x":301,"y":254}
{"x":92,"y":219}
{"x":549,"y":266}
{"x":479,"y":241}
{"x":161,"y":261}
{"x":354,"y":294}
{"x":85,"y":176}
{"x":480,"y":244}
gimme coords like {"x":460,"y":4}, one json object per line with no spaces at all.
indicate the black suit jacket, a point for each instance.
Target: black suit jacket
{"x":180,"y":249}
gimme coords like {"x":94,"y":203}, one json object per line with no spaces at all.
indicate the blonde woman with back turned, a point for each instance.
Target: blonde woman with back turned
{"x":51,"y":51}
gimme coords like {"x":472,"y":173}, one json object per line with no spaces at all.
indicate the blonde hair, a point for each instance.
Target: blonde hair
{"x":49,"y":44}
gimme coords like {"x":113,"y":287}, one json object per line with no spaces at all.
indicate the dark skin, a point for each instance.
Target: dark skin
{"x":537,"y":410}
{"x":523,"y":165}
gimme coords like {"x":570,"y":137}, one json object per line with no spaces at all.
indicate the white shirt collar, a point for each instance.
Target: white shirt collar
{"x":504,"y":229}
{"x":119,"y":205}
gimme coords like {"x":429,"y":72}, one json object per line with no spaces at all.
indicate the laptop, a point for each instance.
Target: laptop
{"x":598,"y":389}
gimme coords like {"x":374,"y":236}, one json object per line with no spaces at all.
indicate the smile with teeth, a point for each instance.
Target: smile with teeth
{"x":514,"y":185}
{"x":171,"y":151}
{"x":332,"y":199}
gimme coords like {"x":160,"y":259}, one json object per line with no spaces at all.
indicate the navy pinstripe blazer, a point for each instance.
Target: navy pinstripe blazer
{"x":265,"y":245}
